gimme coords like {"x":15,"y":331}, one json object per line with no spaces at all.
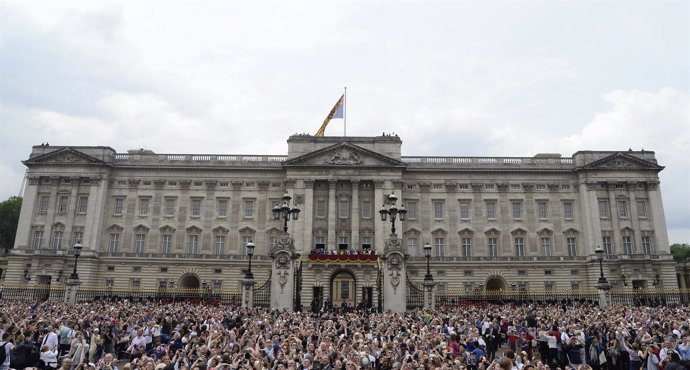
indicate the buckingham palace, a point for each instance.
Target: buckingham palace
{"x":153,"y":221}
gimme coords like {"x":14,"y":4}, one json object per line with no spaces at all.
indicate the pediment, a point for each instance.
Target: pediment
{"x":64,"y":156}
{"x":343,"y":155}
{"x":622,"y":161}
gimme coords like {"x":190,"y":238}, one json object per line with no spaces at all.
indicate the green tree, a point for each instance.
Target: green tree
{"x":680,"y":252}
{"x":9,"y":218}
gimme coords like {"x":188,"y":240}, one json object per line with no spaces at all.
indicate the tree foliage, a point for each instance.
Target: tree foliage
{"x":9,"y":218}
{"x":680,"y":252}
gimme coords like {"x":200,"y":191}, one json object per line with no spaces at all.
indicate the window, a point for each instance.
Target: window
{"x":83,"y":204}
{"x":491,"y":210}
{"x":343,"y":208}
{"x":38,"y":239}
{"x":574,"y":272}
{"x":109,"y":282}
{"x":575,"y":286}
{"x":136,"y":269}
{"x":411,"y":209}
{"x":489,"y":186}
{"x":119,"y":204}
{"x":464,"y":210}
{"x":196,"y":207}
{"x":169,"y":207}
{"x":568,"y":210}
{"x":520,"y":246}
{"x":514,"y":186}
{"x":366,"y":242}
{"x":217,"y":284}
{"x":143,"y":206}
{"x":344,"y":290}
{"x":548,"y":273}
{"x":493,"y":247}
{"x":542,"y":209}
{"x":517,"y":210}
{"x":57,"y":239}
{"x":541,"y":186}
{"x":366,"y":209}
{"x":604,"y":208}
{"x":245,"y":240}
{"x":140,"y":243}
{"x":217,"y":271}
{"x":522,"y":273}
{"x":467,"y":273}
{"x":110,"y":268}
{"x":572,"y":246}
{"x":320,"y":242}
{"x":641,"y":208}
{"x":248,"y":208}
{"x":438,"y":244}
{"x":343,"y":242}
{"x":606,"y":243}
{"x":77,"y":237}
{"x":466,"y":247}
{"x":546,"y":246}
{"x":62,"y":203}
{"x":43,"y":203}
{"x":222,"y":207}
{"x":166,"y":245}
{"x":627,"y":245}
{"x":220,"y":244}
{"x":412,"y":247}
{"x":438,"y":209}
{"x":320,"y":208}
{"x":114,"y":242}
{"x":136,"y":283}
{"x":548,"y":286}
{"x":622,"y":209}
{"x":646,"y":245}
{"x":193,"y":245}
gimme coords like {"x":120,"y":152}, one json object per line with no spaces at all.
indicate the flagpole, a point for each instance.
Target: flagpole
{"x":345,"y":112}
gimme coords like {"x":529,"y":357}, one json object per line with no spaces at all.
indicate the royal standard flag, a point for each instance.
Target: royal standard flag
{"x":336,"y":112}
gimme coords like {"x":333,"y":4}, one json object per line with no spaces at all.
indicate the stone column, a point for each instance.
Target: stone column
{"x":23,"y":235}
{"x":71,"y":289}
{"x":308,"y":215}
{"x":394,"y":278}
{"x":429,"y":295}
{"x":656,"y":212}
{"x":354,"y":240}
{"x":380,"y":232}
{"x":283,"y":273}
{"x":332,"y":215}
{"x":248,"y":292}
{"x":604,"y":291}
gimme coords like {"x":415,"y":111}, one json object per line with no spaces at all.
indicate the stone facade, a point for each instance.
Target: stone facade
{"x":152,"y":220}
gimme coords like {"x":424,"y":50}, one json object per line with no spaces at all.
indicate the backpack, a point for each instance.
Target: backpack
{"x":3,"y":353}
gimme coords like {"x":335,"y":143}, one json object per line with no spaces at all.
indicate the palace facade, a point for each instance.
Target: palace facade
{"x":148,"y":220}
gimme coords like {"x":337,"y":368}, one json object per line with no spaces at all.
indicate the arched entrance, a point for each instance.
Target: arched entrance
{"x":343,"y":288}
{"x":495,"y":283}
{"x":189,"y":281}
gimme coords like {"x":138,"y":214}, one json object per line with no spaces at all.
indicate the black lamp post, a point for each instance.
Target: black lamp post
{"x":77,"y":253}
{"x":250,"y":253}
{"x":392,"y":211}
{"x":427,"y":253}
{"x":600,"y":256}
{"x":285,"y":211}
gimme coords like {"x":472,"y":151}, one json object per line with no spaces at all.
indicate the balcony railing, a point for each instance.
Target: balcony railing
{"x":353,"y":258}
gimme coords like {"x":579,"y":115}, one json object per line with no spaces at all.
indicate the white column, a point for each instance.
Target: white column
{"x":23,"y":236}
{"x":331,"y":215}
{"x":658,"y":219}
{"x":307,"y":216}
{"x":354,"y":242}
{"x":380,"y":233}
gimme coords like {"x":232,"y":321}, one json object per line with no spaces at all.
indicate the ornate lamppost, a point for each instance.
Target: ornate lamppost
{"x":602,"y":284}
{"x":392,"y":211}
{"x":72,"y":284}
{"x":250,"y":253}
{"x":77,"y":252}
{"x":285,"y":211}
{"x":428,"y":279}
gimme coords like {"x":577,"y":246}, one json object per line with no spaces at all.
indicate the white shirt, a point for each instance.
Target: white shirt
{"x":8,"y":350}
{"x":51,"y":340}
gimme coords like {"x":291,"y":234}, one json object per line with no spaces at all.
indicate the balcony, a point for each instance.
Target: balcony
{"x":343,"y":258}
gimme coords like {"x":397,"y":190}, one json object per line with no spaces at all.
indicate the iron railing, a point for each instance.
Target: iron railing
{"x":262,"y":295}
{"x":415,"y":295}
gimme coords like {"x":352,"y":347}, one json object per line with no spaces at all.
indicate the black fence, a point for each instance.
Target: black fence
{"x":415,"y":296}
{"x":262,"y":295}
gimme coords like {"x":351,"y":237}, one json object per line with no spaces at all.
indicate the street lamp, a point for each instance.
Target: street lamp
{"x":285,"y":211}
{"x":600,"y":256}
{"x":77,"y":253}
{"x":392,"y":211}
{"x":250,"y":253}
{"x":427,"y":253}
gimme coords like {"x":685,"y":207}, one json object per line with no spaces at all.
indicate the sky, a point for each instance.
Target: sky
{"x":450,"y":78}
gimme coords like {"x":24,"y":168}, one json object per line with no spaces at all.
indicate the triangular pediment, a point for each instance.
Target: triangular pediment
{"x":64,"y":156}
{"x":343,"y":155}
{"x":622,"y":161}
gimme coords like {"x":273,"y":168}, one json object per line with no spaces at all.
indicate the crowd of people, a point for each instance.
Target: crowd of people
{"x":180,"y":336}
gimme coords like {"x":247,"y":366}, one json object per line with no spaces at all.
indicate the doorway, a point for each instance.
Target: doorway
{"x":495,"y":283}
{"x":189,"y":282}
{"x":317,"y":301}
{"x":343,"y":289}
{"x":368,"y":296}
{"x":43,"y":287}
